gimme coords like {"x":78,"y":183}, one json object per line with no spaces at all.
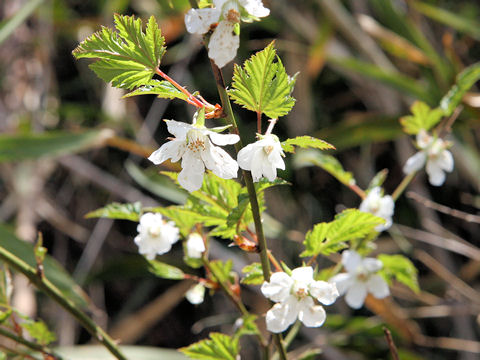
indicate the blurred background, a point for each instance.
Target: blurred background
{"x":70,"y":144}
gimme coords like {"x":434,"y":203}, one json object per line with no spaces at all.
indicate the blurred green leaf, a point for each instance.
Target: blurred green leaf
{"x":39,"y":331}
{"x":423,"y":118}
{"x":217,"y":347}
{"x":97,"y":352}
{"x":165,"y":271}
{"x":305,"y":142}
{"x":248,"y":327}
{"x":222,"y":270}
{"x":262,"y":85}
{"x":118,"y":211}
{"x":253,"y":274}
{"x":378,"y":179}
{"x":163,"y":89}
{"x":32,"y":146}
{"x":4,"y":315}
{"x":128,"y":57}
{"x":464,"y":81}
{"x":52,"y":269}
{"x":8,"y":26}
{"x":400,"y":268}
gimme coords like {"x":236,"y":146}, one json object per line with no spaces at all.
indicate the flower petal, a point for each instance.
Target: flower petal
{"x":356,"y":295}
{"x":372,"y":265}
{"x":342,"y":282}
{"x":223,"y":139}
{"x":178,"y":129}
{"x":303,"y":274}
{"x":223,"y":44}
{"x":257,"y":163}
{"x":436,"y":175}
{"x":278,"y":288}
{"x":282,"y":315}
{"x":198,"y":21}
{"x":378,"y":287}
{"x":351,"y":260}
{"x":255,"y":8}
{"x":219,"y":162}
{"x":195,"y":294}
{"x":446,"y":160}
{"x":191,"y":176}
{"x":324,"y":292}
{"x":173,"y":149}
{"x":415,"y":162}
{"x":311,"y":315}
{"x":245,"y":156}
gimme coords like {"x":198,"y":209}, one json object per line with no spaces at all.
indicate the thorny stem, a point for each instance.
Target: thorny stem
{"x":43,"y":284}
{"x":247,"y":176}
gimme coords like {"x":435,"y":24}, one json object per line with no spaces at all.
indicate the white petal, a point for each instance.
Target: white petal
{"x":342,"y":282}
{"x":351,"y":260}
{"x":223,"y":139}
{"x":436,"y":176}
{"x":223,"y":44}
{"x":198,"y":21}
{"x":356,"y":295}
{"x":269,"y":170}
{"x":195,"y":294}
{"x":423,"y":139}
{"x":245,"y":156}
{"x":173,"y":149}
{"x":303,"y":274}
{"x":372,"y":265}
{"x":178,"y":129}
{"x":324,"y":292}
{"x":191,"y":176}
{"x":311,"y":315}
{"x":278,"y":288}
{"x":195,"y":246}
{"x":276,"y":159}
{"x":415,"y":162}
{"x":282,"y":315}
{"x":219,"y":162}
{"x":378,"y":287}
{"x":446,"y":160}
{"x":257,"y":163}
{"x":255,"y":8}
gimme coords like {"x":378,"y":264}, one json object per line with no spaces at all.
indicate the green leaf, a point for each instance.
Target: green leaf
{"x":400,"y":268}
{"x":327,"y":163}
{"x":465,"y":80}
{"x":116,"y":210}
{"x":378,"y":179}
{"x":33,"y":146}
{"x":305,"y":142}
{"x":217,"y":347}
{"x":262,"y":85}
{"x":165,"y":271}
{"x":248,"y":327}
{"x":423,"y":118}
{"x":253,"y":274}
{"x":39,"y":331}
{"x":127,"y":57}
{"x":4,"y":315}
{"x":222,"y":270}
{"x":161,"y":88}
{"x":314,"y":240}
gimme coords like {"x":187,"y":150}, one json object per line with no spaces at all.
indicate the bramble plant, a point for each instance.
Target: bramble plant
{"x":226,"y":185}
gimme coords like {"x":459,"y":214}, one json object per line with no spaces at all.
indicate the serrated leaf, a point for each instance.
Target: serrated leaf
{"x":248,"y":327}
{"x":39,"y":331}
{"x":465,"y":80}
{"x":217,"y":347}
{"x":119,"y":211}
{"x":161,"y":88}
{"x":400,"y":268}
{"x":262,"y":85}
{"x":165,"y":271}
{"x":253,"y":274}
{"x":222,"y":270}
{"x":423,"y":118}
{"x":326,"y":162}
{"x":127,"y":57}
{"x":305,"y":142}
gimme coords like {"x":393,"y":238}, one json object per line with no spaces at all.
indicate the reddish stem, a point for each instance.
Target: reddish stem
{"x":259,"y":122}
{"x":191,"y":99}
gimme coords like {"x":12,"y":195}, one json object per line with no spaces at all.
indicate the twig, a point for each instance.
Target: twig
{"x":391,"y":344}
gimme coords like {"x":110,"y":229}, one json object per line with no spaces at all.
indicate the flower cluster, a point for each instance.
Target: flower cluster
{"x":433,"y":152}
{"x":378,"y":205}
{"x":222,"y":20}
{"x":361,"y":278}
{"x":295,"y":296}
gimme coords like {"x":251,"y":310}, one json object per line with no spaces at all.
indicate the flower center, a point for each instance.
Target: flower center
{"x":155,"y":230}
{"x":300,"y":290}
{"x":362,"y":274}
{"x":268,"y":149}
{"x":196,"y":141}
{"x":233,"y":16}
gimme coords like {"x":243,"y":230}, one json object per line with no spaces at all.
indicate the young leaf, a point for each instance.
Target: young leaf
{"x":305,"y":142}
{"x":378,"y":179}
{"x":423,"y":118}
{"x":262,"y":85}
{"x":314,"y":240}
{"x":400,"y":268}
{"x":39,"y":331}
{"x":127,"y":57}
{"x":223,"y":269}
{"x":217,"y":347}
{"x":253,"y":274}
{"x":161,"y":88}
{"x":118,"y":211}
{"x":165,"y":271}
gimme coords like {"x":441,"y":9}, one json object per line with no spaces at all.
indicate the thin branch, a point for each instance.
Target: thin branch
{"x":391,"y":344}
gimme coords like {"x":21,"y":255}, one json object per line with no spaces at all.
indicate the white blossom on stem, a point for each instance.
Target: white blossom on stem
{"x":295,"y":298}
{"x":155,"y":235}
{"x":361,"y":278}
{"x":378,"y":205}
{"x":435,"y":154}
{"x":194,"y":145}
{"x":222,"y":19}
{"x":195,"y":246}
{"x":195,"y":294}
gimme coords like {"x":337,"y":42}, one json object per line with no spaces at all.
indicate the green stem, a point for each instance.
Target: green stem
{"x":53,"y":292}
{"x":402,"y":186}
{"x":31,"y":345}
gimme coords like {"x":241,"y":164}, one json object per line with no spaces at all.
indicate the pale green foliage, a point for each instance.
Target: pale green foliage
{"x":253,"y":274}
{"x":349,"y":225}
{"x":4,"y":315}
{"x":378,"y":179}
{"x":423,"y":118}
{"x":39,"y":331}
{"x":165,"y":271}
{"x":249,"y":327}
{"x":119,"y":211}
{"x":400,"y":268}
{"x":161,"y":88}
{"x":262,"y":85}
{"x":127,"y":57}
{"x":217,"y":347}
{"x":222,"y":270}
{"x":305,"y":142}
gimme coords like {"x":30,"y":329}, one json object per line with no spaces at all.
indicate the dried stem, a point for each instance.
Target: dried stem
{"x":391,"y":344}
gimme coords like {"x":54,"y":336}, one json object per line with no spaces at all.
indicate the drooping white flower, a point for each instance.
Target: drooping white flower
{"x":433,"y":152}
{"x":378,"y":205}
{"x":222,"y":19}
{"x":195,"y":246}
{"x":194,"y":145}
{"x":262,"y":158}
{"x":360,"y":279}
{"x":294,"y":296}
{"x":195,"y":294}
{"x":155,"y":235}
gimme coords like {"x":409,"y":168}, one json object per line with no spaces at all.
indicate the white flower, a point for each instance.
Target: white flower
{"x":194,"y":145}
{"x":222,"y":19}
{"x":378,"y":205}
{"x":195,"y":294}
{"x":434,"y":152}
{"x":155,"y":235}
{"x":360,"y":279}
{"x":195,"y":246}
{"x":295,"y":296}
